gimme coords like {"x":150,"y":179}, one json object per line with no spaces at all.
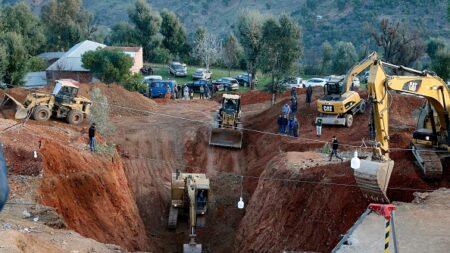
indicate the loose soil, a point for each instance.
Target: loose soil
{"x":133,"y":186}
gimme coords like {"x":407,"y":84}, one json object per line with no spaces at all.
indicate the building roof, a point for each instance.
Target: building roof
{"x":71,"y":60}
{"x":51,"y":55}
{"x":35,"y":79}
{"x":127,"y":49}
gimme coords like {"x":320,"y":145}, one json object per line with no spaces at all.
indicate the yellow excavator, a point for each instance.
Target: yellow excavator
{"x":227,"y":131}
{"x":64,"y":102}
{"x":341,"y":103}
{"x":430,"y":140}
{"x":189,"y":194}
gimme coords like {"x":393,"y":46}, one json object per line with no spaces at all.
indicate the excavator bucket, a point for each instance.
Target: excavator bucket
{"x":373,"y":179}
{"x":192,"y":248}
{"x":226,"y":137}
{"x":21,"y":111}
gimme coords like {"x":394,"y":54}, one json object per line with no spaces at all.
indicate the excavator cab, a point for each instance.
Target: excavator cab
{"x":65,"y":92}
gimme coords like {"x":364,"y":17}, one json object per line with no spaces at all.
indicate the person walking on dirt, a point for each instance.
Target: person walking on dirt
{"x":296,"y":133}
{"x":202,"y":91}
{"x":186,"y":92}
{"x":168,"y":93}
{"x":285,"y":110}
{"x":284,"y":123}
{"x":319,"y":127}
{"x":335,"y":145}
{"x":191,"y":93}
{"x":280,"y":124}
{"x":309,"y":92}
{"x":294,"y":93}
{"x":291,"y":126}
{"x":92,"y":137}
{"x":293,"y":106}
{"x":206,"y":91}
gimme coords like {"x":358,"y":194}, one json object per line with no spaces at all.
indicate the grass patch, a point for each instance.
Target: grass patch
{"x":105,"y":149}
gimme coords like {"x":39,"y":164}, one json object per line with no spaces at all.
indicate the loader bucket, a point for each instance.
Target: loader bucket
{"x":226,"y":138}
{"x":373,"y":179}
{"x":21,"y":111}
{"x":192,"y":248}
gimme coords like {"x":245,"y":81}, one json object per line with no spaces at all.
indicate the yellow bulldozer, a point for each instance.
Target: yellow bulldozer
{"x":227,"y":130}
{"x":431,"y":139}
{"x":341,"y":103}
{"x":64,"y":102}
{"x":190,"y":194}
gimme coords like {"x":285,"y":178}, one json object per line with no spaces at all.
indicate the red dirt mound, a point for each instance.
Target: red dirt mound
{"x":92,"y":194}
{"x":292,"y":216}
{"x":120,"y":100}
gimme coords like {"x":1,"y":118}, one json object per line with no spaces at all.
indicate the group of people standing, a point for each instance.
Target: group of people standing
{"x":287,"y":121}
{"x":188,"y":93}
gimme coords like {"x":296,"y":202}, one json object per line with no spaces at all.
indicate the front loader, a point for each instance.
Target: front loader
{"x":227,"y":130}
{"x":64,"y":102}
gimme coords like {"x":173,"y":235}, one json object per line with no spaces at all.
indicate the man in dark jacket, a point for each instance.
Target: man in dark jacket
{"x":280,"y":124}
{"x":92,"y":137}
{"x":296,"y":133}
{"x":294,"y":93}
{"x":309,"y":92}
{"x":4,"y":187}
{"x":335,"y":145}
{"x":293,"y":106}
{"x":284,"y":123}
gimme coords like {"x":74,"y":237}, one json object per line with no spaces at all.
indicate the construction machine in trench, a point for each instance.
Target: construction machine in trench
{"x":189,"y":194}
{"x":431,"y":139}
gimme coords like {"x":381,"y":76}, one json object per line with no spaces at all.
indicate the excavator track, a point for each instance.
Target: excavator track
{"x":173,"y":218}
{"x":428,"y":161}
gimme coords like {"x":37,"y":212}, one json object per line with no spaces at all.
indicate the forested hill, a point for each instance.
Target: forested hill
{"x":322,"y":20}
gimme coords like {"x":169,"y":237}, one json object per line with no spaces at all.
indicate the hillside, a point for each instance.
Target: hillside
{"x":330,"y":20}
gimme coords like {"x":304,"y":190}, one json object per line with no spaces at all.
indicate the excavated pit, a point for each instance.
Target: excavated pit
{"x":279,"y":215}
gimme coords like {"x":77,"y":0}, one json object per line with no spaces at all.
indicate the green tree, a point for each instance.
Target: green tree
{"x":327,"y":57}
{"x":441,"y":63}
{"x":19,"y":19}
{"x":207,"y":49}
{"x":15,"y":62}
{"x":66,"y":23}
{"x":231,"y":52}
{"x":3,"y":62}
{"x":100,"y":112}
{"x":35,"y":63}
{"x":280,"y":50}
{"x":123,"y":34}
{"x":174,"y":33}
{"x":109,"y":65}
{"x":344,"y":57}
{"x":147,"y":26}
{"x":135,"y":83}
{"x":434,"y":46}
{"x":249,"y":32}
{"x":400,"y":45}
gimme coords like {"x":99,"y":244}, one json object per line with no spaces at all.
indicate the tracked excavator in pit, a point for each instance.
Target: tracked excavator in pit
{"x":431,"y":139}
{"x":189,"y":195}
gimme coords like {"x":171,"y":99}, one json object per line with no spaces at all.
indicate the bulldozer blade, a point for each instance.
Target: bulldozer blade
{"x":192,"y":248}
{"x":21,"y":111}
{"x":226,"y":138}
{"x":373,"y":179}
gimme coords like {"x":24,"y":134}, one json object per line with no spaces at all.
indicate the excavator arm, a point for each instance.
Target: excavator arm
{"x":358,"y":68}
{"x":374,"y":174}
{"x":192,"y":246}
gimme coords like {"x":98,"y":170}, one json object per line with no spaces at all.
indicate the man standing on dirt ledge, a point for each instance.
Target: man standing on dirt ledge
{"x":92,"y":137}
{"x":335,"y":146}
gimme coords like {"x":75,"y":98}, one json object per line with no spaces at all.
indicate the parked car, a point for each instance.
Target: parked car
{"x":158,"y":88}
{"x":244,"y":79}
{"x":356,"y":82}
{"x":365,"y":77}
{"x":315,"y":82}
{"x":226,"y":83}
{"x":202,"y":74}
{"x":195,"y":85}
{"x":149,"y":79}
{"x":177,"y":69}
{"x":294,"y":82}
{"x":146,"y":70}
